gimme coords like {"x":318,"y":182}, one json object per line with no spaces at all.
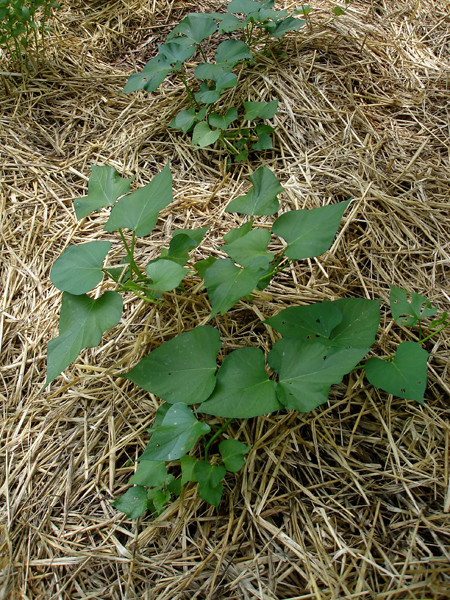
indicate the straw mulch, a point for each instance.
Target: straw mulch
{"x":349,"y":501}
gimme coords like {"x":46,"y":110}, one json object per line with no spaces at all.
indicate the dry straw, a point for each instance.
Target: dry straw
{"x":348,"y":502}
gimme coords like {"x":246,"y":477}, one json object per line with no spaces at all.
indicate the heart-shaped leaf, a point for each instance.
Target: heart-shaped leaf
{"x":264,"y":142}
{"x":209,"y":479}
{"x":310,"y":232}
{"x":177,"y":434}
{"x":307,"y":370}
{"x":260,"y":110}
{"x":232,"y":52}
{"x":250,"y":246}
{"x":247,"y":7}
{"x":408,"y":312}
{"x":165,"y":274}
{"x":104,"y":187}
{"x":182,"y":369}
{"x":405,"y":376}
{"x":207,"y":94}
{"x":233,"y":453}
{"x":203,"y":135}
{"x":150,"y":473}
{"x":79,"y":268}
{"x":184,"y":120}
{"x":243,"y":389}
{"x":196,"y":26}
{"x":82,"y":322}
{"x":133,"y":503}
{"x":262,"y":197}
{"x":151,"y":76}
{"x":139,"y":210}
{"x":224,"y":121}
{"x":176,"y":52}
{"x":288,"y":24}
{"x":184,"y":240}
{"x":226,"y":283}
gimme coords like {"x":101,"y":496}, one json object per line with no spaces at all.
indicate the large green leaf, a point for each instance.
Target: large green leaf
{"x":150,"y":473}
{"x":233,"y":453}
{"x":209,"y":479}
{"x":285,"y":25}
{"x":203,"y":135}
{"x":79,"y":268}
{"x":250,"y":246}
{"x":247,"y":7}
{"x":82,"y":323}
{"x":226,"y":283}
{"x":151,"y":77}
{"x":133,"y":503}
{"x":104,"y":187}
{"x":262,"y":197}
{"x":139,"y":210}
{"x":347,"y":322}
{"x":165,"y":274}
{"x":176,"y":52}
{"x":220,"y":74}
{"x":243,"y":389}
{"x":405,"y":376}
{"x":307,"y":370}
{"x":232,"y":51}
{"x":311,"y":232}
{"x":196,"y":26}
{"x":177,"y":434}
{"x":408,"y":312}
{"x":182,"y":369}
{"x":229,"y":23}
{"x":260,"y":110}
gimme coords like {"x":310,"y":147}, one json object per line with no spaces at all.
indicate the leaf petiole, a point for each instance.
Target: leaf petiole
{"x":130,"y":252}
{"x":215,"y":436}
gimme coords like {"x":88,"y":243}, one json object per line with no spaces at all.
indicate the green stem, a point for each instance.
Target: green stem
{"x":215,"y":436}
{"x":190,"y":93}
{"x":275,"y":268}
{"x":130,"y":253}
{"x":199,"y":46}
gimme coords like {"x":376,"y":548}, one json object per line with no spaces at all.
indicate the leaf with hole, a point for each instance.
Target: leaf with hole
{"x":309,"y":233}
{"x":82,"y":322}
{"x":226,"y":283}
{"x":260,"y":110}
{"x":165,"y":275}
{"x":196,"y":27}
{"x":177,"y":434}
{"x":182,"y":369}
{"x":250,"y":246}
{"x":405,"y":376}
{"x":233,"y":454}
{"x":104,"y":187}
{"x":203,"y":135}
{"x":307,"y":371}
{"x":79,"y":268}
{"x":262,"y":197}
{"x":408,"y":308}
{"x":209,"y":479}
{"x":139,"y":210}
{"x":243,"y":389}
{"x":133,"y":503}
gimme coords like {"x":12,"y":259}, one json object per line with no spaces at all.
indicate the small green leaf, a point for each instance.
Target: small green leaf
{"x":82,"y":323}
{"x":260,"y":110}
{"x":248,"y":7}
{"x":243,"y":389}
{"x":232,"y":51}
{"x":158,"y":499}
{"x":187,"y":469}
{"x":104,"y":187}
{"x":235,"y":234}
{"x":182,"y":369}
{"x":182,"y":242}
{"x":310,"y":232}
{"x":223,"y":122}
{"x":307,"y":370}
{"x":150,"y":78}
{"x":288,"y":24}
{"x":233,"y":453}
{"x":408,"y":312}
{"x":250,"y":246}
{"x":150,"y":473}
{"x":262,"y":197}
{"x":196,"y":26}
{"x":133,"y":503}
{"x":184,"y":120}
{"x":226,"y":283}
{"x":177,"y":434}
{"x":165,"y":275}
{"x":209,"y":479}
{"x":264,"y":142}
{"x":303,"y":10}
{"x":229,"y":23}
{"x":176,"y":52}
{"x":405,"y":376}
{"x":338,"y":11}
{"x":79,"y":268}
{"x":139,"y":210}
{"x":203,"y":136}
{"x":207,"y":94}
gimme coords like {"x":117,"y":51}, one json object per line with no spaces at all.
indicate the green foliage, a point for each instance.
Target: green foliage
{"x":319,"y":344}
{"x":21,"y":24}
